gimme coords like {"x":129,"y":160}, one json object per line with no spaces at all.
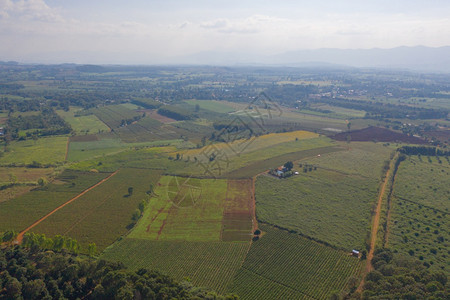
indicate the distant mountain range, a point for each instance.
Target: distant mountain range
{"x":415,"y":58}
{"x":419,"y":58}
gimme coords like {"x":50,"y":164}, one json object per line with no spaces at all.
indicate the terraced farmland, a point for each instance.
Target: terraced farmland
{"x":283,"y":265}
{"x":210,"y":264}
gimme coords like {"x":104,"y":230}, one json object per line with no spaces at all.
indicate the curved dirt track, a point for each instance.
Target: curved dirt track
{"x":19,"y":238}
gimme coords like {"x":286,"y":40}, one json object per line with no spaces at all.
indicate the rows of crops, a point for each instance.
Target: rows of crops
{"x":184,"y":209}
{"x":294,"y":264}
{"x":210,"y":264}
{"x":103,"y":214}
{"x":112,"y":115}
{"x":21,"y":212}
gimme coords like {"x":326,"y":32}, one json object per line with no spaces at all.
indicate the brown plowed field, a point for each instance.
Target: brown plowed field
{"x":237,"y":215}
{"x":378,"y":134}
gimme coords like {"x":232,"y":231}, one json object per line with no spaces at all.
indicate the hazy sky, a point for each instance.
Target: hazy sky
{"x":138,"y":31}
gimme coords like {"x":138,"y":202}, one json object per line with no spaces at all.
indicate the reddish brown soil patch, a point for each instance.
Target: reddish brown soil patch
{"x":154,"y":115}
{"x":441,"y":135}
{"x":379,"y":135}
{"x":84,"y":138}
{"x":237,"y":216}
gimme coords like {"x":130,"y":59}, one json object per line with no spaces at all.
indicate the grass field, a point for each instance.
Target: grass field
{"x":212,"y":105}
{"x":48,"y":150}
{"x":285,"y":266}
{"x":103,"y":214}
{"x":332,"y":203}
{"x":82,"y":124}
{"x":209,"y":264}
{"x":190,"y":209}
{"x":420,"y":216}
{"x":18,"y":213}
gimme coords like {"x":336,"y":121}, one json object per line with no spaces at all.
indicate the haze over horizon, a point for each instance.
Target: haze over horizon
{"x":155,"y":32}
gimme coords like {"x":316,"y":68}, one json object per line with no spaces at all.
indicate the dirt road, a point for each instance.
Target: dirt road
{"x":19,"y":238}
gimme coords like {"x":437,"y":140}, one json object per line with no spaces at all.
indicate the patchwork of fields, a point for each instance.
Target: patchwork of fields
{"x":330,"y":201}
{"x":190,"y":209}
{"x":177,"y":201}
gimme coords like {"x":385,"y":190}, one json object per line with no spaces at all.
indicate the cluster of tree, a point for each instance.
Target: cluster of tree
{"x":126,"y":122}
{"x":12,"y":105}
{"x":423,"y":150}
{"x":47,"y":122}
{"x":307,"y":167}
{"x":176,"y":113}
{"x":27,"y":274}
{"x":378,"y":110}
{"x":146,"y":103}
{"x":398,"y":277}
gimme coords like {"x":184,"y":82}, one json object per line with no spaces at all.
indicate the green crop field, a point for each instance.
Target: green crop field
{"x":425,"y":181}
{"x":209,"y":264}
{"x":48,"y":150}
{"x":103,"y":214}
{"x":283,"y":265}
{"x":112,"y":115}
{"x":229,"y":158}
{"x":82,"y":124}
{"x":420,"y":216}
{"x":21,"y":212}
{"x":212,"y":105}
{"x":184,"y":209}
{"x":332,"y":203}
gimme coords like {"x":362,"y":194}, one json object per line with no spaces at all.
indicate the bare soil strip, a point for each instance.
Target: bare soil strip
{"x":20,"y":236}
{"x":375,"y":225}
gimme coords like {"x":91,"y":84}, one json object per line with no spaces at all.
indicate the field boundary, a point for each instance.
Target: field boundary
{"x":19,"y":238}
{"x":375,"y":226}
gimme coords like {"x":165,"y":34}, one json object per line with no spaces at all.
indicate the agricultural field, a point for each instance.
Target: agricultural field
{"x":190,"y":209}
{"x":79,"y":151}
{"x":330,"y":202}
{"x":82,"y":124}
{"x":19,"y":213}
{"x":23,"y":175}
{"x":419,"y":217}
{"x":209,"y":264}
{"x":113,"y":115}
{"x":431,"y":188}
{"x":285,"y":265}
{"x":46,"y":151}
{"x":104,"y":213}
{"x":212,"y":105}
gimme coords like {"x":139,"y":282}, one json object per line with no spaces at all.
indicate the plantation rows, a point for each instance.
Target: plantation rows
{"x":296,"y":264}
{"x":249,"y":285}
{"x":211,"y":264}
{"x":113,"y":115}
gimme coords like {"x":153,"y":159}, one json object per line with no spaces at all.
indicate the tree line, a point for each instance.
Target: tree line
{"x":31,"y":273}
